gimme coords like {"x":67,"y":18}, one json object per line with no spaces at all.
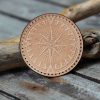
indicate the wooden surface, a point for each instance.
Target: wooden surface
{"x":83,"y":83}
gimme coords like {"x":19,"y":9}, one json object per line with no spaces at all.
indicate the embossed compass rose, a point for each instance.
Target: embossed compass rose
{"x":51,"y":45}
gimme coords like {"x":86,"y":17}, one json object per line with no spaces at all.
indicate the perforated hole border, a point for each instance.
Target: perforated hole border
{"x":28,"y":27}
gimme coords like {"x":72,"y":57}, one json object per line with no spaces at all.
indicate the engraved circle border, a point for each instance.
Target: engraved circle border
{"x":26,"y":30}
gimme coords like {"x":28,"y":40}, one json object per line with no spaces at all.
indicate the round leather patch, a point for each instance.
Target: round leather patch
{"x":51,"y":45}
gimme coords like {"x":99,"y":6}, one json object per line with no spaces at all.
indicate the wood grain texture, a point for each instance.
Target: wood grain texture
{"x":10,"y":27}
{"x":4,"y":98}
{"x":61,"y":3}
{"x":82,"y":10}
{"x":10,"y":56}
{"x":89,"y":69}
{"x":30,"y":9}
{"x":27,"y":9}
{"x":27,"y":85}
{"x":91,"y":38}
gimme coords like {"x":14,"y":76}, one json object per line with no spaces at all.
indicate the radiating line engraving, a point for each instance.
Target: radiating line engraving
{"x":51,"y":45}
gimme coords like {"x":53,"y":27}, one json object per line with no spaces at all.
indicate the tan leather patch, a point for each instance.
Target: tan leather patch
{"x":51,"y":45}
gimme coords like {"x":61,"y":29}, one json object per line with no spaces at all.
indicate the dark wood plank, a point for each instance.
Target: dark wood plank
{"x":6,"y":96}
{"x":90,"y":68}
{"x":28,"y":84}
{"x":91,"y":22}
{"x":25,"y":87}
{"x":61,"y":3}
{"x":27,"y":9}
{"x":10,"y":27}
{"x":3,"y":97}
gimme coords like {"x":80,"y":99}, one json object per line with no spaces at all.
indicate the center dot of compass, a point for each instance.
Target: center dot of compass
{"x":50,"y":44}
